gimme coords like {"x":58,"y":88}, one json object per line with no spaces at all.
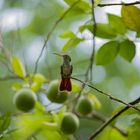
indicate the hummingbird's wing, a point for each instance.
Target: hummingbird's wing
{"x":71,"y":69}
{"x":61,"y":70}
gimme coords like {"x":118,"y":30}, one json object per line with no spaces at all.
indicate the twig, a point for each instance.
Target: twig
{"x":114,"y":4}
{"x":90,"y":68}
{"x":99,"y":130}
{"x":94,"y":35}
{"x":50,"y":33}
{"x":9,"y":78}
{"x":106,"y":94}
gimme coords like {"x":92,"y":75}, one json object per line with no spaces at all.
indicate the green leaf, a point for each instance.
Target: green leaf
{"x":138,"y":35}
{"x":107,"y":53}
{"x":39,"y":78}
{"x":5,"y":121}
{"x":18,"y":67}
{"x":116,"y":23}
{"x":102,"y":30}
{"x":67,"y":34}
{"x":36,"y":86}
{"x":71,"y":44}
{"x":96,"y":2}
{"x":131,"y":17}
{"x":39,"y":107}
{"x":81,"y":5}
{"x":134,"y":130}
{"x":17,"y":86}
{"x":75,"y":87}
{"x":127,"y":50}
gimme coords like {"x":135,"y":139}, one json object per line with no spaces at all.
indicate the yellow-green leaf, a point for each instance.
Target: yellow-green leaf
{"x":36,"y":86}
{"x":71,"y":43}
{"x":96,"y":2}
{"x":67,"y":34}
{"x":75,"y":87}
{"x":131,"y":17}
{"x":18,"y":67}
{"x":39,"y":78}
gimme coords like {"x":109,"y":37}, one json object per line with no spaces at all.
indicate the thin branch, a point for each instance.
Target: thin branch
{"x":90,"y":68}
{"x":122,"y":3}
{"x":100,"y":129}
{"x":106,"y":94}
{"x":9,"y":78}
{"x":51,"y":31}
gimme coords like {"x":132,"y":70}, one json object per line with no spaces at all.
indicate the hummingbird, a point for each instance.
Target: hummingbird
{"x":66,"y":71}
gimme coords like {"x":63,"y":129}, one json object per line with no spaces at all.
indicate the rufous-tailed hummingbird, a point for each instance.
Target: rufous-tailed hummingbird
{"x":66,"y":71}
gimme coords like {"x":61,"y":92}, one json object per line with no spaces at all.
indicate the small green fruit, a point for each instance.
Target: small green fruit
{"x":84,"y":106}
{"x":70,"y":123}
{"x":25,"y":100}
{"x":54,"y":94}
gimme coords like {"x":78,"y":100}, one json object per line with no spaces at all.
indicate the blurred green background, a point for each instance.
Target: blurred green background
{"x":24,"y":26}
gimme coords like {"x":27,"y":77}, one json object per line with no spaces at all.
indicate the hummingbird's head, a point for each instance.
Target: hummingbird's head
{"x":66,"y":57}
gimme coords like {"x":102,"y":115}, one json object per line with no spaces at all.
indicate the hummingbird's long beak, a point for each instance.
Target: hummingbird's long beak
{"x":58,"y":54}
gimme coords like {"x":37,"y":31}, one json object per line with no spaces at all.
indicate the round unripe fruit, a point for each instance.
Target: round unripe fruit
{"x":84,"y":106}
{"x":70,"y":123}
{"x":25,"y":100}
{"x":54,"y":94}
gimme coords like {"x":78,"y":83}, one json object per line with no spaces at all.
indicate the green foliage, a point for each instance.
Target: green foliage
{"x":18,"y":67}
{"x":72,"y":42}
{"x":107,"y":53}
{"x":131,"y":17}
{"x":134,"y":129}
{"x":127,"y":50}
{"x":39,"y":78}
{"x":82,"y":5}
{"x":5,"y":122}
{"x":67,"y":34}
{"x":96,"y":2}
{"x":116,"y":23}
{"x":102,"y":30}
{"x":112,"y":134}
{"x":42,"y":122}
{"x":75,"y":87}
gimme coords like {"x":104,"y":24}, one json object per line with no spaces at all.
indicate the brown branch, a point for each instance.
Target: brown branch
{"x":115,"y":4}
{"x":106,"y":94}
{"x":102,"y":127}
{"x":50,"y":33}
